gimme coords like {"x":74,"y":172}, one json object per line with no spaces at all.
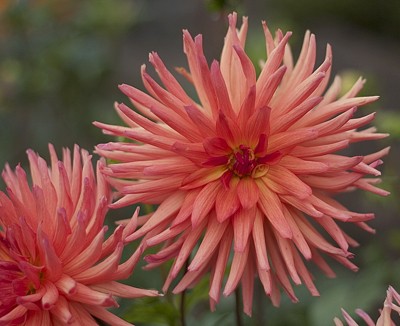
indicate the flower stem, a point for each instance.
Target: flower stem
{"x":182,"y":308}
{"x":238,"y":305}
{"x":183,"y":295}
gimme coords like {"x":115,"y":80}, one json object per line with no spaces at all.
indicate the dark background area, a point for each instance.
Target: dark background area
{"x":61,"y":62}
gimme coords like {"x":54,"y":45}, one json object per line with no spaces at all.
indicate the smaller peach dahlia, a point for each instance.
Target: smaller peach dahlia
{"x":56,"y":268}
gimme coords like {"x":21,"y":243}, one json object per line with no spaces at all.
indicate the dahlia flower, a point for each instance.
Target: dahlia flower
{"x":392,"y":302}
{"x":56,"y":268}
{"x":253,"y":166}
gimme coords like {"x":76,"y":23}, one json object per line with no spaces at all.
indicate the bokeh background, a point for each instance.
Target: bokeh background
{"x":61,"y":62}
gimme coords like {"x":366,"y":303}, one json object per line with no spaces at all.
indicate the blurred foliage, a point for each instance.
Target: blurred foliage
{"x":57,"y":74}
{"x":56,"y":70}
{"x":166,"y":310}
{"x":223,"y":5}
{"x":376,"y":16}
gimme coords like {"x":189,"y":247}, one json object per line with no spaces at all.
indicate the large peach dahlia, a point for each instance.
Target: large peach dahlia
{"x":56,"y":267}
{"x":245,"y":177}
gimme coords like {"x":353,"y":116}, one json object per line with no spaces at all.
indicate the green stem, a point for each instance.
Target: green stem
{"x":183,"y":295}
{"x":182,"y":308}
{"x":238,"y":305}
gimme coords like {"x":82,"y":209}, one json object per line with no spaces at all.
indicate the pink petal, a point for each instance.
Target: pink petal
{"x":298,"y":237}
{"x":248,"y":288}
{"x":220,"y":266}
{"x":303,"y":152}
{"x":216,"y":146}
{"x":287,"y":139}
{"x":164,"y":212}
{"x":62,"y":312}
{"x":66,"y":285}
{"x":87,"y":257}
{"x":15,"y":313}
{"x":337,"y":182}
{"x":248,"y":192}
{"x":275,"y":58}
{"x":287,"y":253}
{"x":288,"y":182}
{"x":199,"y":70}
{"x":187,"y":247}
{"x":285,"y":121}
{"x":278,"y":265}
{"x":123,"y":290}
{"x":243,"y":222}
{"x":227,"y":201}
{"x":95,"y":273}
{"x":49,"y":257}
{"x":271,"y":206}
{"x":210,"y":242}
{"x":305,"y":275}
{"x":50,"y":297}
{"x":168,"y":79}
{"x":221,"y":92}
{"x":205,"y":202}
{"x":257,"y":124}
{"x":201,"y":121}
{"x":300,"y":166}
{"x":239,"y":262}
{"x":86,"y":295}
{"x":229,"y":130}
{"x":186,"y":207}
{"x":106,"y":316}
{"x":259,"y":241}
{"x":128,"y":114}
{"x":202,"y":177}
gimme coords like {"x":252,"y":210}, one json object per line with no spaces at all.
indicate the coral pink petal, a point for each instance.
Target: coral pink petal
{"x":243,"y":222}
{"x":237,"y":268}
{"x":205,"y":202}
{"x":213,"y":235}
{"x":222,"y":259}
{"x":227,"y":201}
{"x":259,"y":241}
{"x":271,"y":206}
{"x":247,"y":192}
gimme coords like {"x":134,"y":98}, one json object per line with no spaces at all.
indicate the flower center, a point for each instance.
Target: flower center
{"x":242,"y":162}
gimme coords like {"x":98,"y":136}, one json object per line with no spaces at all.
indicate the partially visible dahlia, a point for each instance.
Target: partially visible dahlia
{"x":392,"y":302}
{"x":254,"y":164}
{"x":56,"y":267}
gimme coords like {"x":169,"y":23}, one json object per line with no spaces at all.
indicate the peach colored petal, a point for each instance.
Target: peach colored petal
{"x":259,"y":242}
{"x":247,"y":192}
{"x":227,"y":201}
{"x":169,"y":207}
{"x":222,"y":259}
{"x":237,"y":268}
{"x":248,"y":288}
{"x":270,"y":205}
{"x":243,"y":222}
{"x":187,"y":247}
{"x":204,"y":202}
{"x":212,"y":237}
{"x":288,"y":182}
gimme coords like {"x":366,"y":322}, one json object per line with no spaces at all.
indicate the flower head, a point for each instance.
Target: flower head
{"x":392,"y":303}
{"x":55,"y":265}
{"x":253,"y":164}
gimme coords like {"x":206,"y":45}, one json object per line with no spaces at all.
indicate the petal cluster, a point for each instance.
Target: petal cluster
{"x":56,"y":267}
{"x":392,"y":303}
{"x":245,"y":174}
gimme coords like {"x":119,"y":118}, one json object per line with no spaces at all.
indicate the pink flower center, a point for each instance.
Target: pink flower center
{"x":242,"y":162}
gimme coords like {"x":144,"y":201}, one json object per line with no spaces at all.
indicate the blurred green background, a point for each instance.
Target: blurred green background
{"x":61,"y":62}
